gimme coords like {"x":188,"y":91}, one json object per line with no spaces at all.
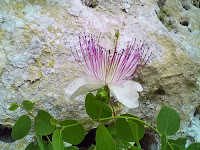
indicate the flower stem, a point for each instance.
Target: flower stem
{"x":115,"y":117}
{"x":48,"y":139}
{"x":100,"y":110}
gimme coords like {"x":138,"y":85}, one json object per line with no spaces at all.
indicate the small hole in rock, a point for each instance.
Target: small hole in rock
{"x":88,"y":141}
{"x":197,"y":111}
{"x":186,"y":7}
{"x":124,"y":10}
{"x":5,"y":134}
{"x":185,"y":4}
{"x":90,"y":3}
{"x":161,"y":3}
{"x":196,"y":3}
{"x":184,"y":23}
{"x":160,"y":92}
{"x":148,"y":142}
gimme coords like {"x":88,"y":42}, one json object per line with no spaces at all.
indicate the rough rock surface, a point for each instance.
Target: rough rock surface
{"x":37,"y":64}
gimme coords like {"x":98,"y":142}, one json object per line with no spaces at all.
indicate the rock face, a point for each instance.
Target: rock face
{"x":37,"y":63}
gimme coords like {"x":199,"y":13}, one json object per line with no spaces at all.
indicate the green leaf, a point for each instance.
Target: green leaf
{"x":168,"y":121}
{"x":31,"y":146}
{"x":126,"y":144}
{"x":13,"y":107}
{"x":43,"y":145}
{"x":40,"y":142}
{"x":96,"y":108}
{"x":28,"y":105}
{"x":134,"y":128}
{"x":103,"y":139}
{"x":42,"y":125}
{"x":111,"y":130}
{"x":48,"y":146}
{"x":92,"y":147}
{"x":21,"y":127}
{"x":71,"y":148}
{"x":194,"y":146}
{"x":119,"y":143}
{"x":141,"y":128}
{"x":180,"y":142}
{"x":135,"y":148}
{"x":73,"y":131}
{"x":57,"y":140}
{"x":163,"y":142}
{"x":124,"y":131}
{"x":175,"y":147}
{"x":54,"y":121}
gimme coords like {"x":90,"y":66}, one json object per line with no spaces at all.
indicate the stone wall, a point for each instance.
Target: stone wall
{"x":37,"y":63}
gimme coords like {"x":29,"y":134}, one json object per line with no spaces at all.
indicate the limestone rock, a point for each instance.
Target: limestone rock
{"x":37,"y":63}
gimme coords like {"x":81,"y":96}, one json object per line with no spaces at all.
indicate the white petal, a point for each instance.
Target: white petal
{"x":80,"y":86}
{"x":126,"y":93}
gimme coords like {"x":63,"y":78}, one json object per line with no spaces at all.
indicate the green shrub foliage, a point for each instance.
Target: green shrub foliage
{"x":125,"y":128}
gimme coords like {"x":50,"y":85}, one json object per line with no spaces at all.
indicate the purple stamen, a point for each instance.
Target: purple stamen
{"x":110,"y":68}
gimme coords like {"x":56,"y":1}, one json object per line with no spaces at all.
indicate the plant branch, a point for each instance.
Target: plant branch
{"x":48,"y":139}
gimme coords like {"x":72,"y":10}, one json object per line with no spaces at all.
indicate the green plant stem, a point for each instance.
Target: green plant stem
{"x":138,"y":144}
{"x":48,"y":139}
{"x":139,"y":121}
{"x":102,"y":119}
{"x":31,"y":114}
{"x":170,"y":145}
{"x":115,"y":117}
{"x":100,"y":110}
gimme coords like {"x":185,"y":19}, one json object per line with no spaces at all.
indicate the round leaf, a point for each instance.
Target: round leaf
{"x":21,"y":127}
{"x":73,"y":132}
{"x":180,"y":142}
{"x":124,"y":131}
{"x":13,"y":107}
{"x":194,"y":146}
{"x":28,"y":105}
{"x":53,"y":121}
{"x":175,"y":147}
{"x":168,"y":121}
{"x":141,"y":128}
{"x":31,"y":146}
{"x":96,"y":108}
{"x":103,"y":139}
{"x":42,"y":125}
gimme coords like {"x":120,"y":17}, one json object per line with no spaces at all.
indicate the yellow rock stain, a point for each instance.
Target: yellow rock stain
{"x":73,"y":69}
{"x":58,"y":102}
